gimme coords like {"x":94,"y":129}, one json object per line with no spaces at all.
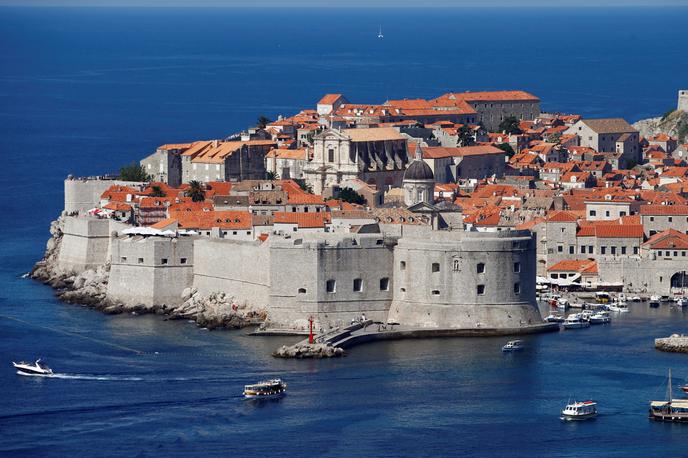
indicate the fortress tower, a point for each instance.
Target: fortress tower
{"x":683,"y":100}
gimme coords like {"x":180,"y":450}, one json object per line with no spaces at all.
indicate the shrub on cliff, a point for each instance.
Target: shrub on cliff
{"x":133,"y":172}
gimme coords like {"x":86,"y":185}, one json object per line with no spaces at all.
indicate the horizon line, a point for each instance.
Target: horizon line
{"x":23,"y":5}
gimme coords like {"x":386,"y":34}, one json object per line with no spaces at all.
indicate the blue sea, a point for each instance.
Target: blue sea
{"x":84,"y":91}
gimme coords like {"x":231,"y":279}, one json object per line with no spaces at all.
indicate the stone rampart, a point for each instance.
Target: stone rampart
{"x":83,"y":194}
{"x":85,"y":243}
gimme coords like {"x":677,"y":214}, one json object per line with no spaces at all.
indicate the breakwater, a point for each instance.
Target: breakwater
{"x":675,"y":343}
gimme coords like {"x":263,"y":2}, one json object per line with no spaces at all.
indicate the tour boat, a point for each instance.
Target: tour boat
{"x":265,"y":389}
{"x":673,"y":410}
{"x":36,"y":368}
{"x":513,"y":345}
{"x":600,"y":318}
{"x":579,"y":411}
{"x":552,"y":318}
{"x":575,"y":321}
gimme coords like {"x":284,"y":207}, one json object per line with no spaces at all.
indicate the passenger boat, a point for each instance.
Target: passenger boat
{"x":552,"y":318}
{"x":575,"y":321}
{"x":670,"y":410}
{"x":266,"y":389}
{"x":579,"y":411}
{"x":513,"y":345}
{"x":36,"y":368}
{"x":601,"y":318}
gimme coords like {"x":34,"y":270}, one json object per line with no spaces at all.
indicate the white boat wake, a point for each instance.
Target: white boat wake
{"x":84,"y":377}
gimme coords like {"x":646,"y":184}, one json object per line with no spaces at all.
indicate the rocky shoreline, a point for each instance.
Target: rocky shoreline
{"x":89,"y":288}
{"x":675,"y":343}
{"x":303,"y":351}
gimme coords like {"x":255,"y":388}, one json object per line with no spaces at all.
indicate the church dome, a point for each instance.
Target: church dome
{"x":419,"y":170}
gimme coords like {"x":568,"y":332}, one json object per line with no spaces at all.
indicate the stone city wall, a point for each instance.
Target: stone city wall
{"x":86,"y":242}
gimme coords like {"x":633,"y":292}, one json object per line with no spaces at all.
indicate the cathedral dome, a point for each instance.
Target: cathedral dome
{"x":419,"y":170}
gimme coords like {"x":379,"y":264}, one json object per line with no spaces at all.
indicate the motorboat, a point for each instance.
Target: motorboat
{"x":618,"y":307}
{"x":579,"y":411}
{"x":513,"y":345}
{"x":672,"y":410}
{"x":636,"y":299}
{"x":602,"y":317}
{"x":681,"y":302}
{"x":654,"y":302}
{"x":266,"y":389}
{"x":621,"y":297}
{"x":563,"y":304}
{"x":575,"y":321}
{"x":603,"y":297}
{"x":552,"y":318}
{"x":37,"y":368}
{"x":684,"y":388}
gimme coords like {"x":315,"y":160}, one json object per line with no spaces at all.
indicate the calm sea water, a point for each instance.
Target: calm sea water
{"x":85,"y":90}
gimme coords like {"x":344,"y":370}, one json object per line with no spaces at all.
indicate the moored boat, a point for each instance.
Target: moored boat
{"x":575,"y":321}
{"x":266,"y":389}
{"x":579,"y":411}
{"x":601,"y":317}
{"x":513,"y":345}
{"x":24,"y":368}
{"x":618,"y":307}
{"x":552,"y":318}
{"x":672,"y":410}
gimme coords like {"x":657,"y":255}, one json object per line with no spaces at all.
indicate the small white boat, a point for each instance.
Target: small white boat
{"x":266,"y":389}
{"x":579,"y":411}
{"x":552,"y":318}
{"x":24,"y":368}
{"x":636,"y":299}
{"x":681,"y":302}
{"x":513,"y":345}
{"x":379,"y":33}
{"x":601,"y":318}
{"x":575,"y":321}
{"x":618,"y":307}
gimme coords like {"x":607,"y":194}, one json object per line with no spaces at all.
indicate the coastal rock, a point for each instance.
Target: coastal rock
{"x":675,"y":343}
{"x":674,"y":123}
{"x":302,"y":351}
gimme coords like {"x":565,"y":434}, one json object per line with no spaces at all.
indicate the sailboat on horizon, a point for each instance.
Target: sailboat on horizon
{"x":379,"y":33}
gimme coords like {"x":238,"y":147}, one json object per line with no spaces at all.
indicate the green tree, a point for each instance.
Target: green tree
{"x":133,"y":172}
{"x":156,"y":191}
{"x":271,"y":175}
{"x":554,"y":138}
{"x":263,"y":121}
{"x":195,"y":191}
{"x":510,"y":125}
{"x":465,"y":136}
{"x":351,"y":196}
{"x":507,"y":149}
{"x":303,"y":185}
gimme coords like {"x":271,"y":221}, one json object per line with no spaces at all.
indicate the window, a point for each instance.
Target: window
{"x":571,"y":249}
{"x":517,"y":288}
{"x":582,"y":249}
{"x":182,"y":261}
{"x":671,"y":219}
{"x":613,"y":249}
{"x":435,"y":267}
{"x":163,"y":261}
{"x":403,"y":290}
{"x":330,"y":155}
{"x":675,"y":253}
{"x":384,"y":284}
{"x":435,"y":292}
{"x":331,"y":286}
{"x":140,"y":260}
{"x":652,"y":218}
{"x":517,"y":267}
{"x":124,"y":259}
{"x":456,"y":265}
{"x":606,"y":213}
{"x":635,"y":250}
{"x":622,"y":213}
{"x":623,"y":250}
{"x":554,"y":275}
{"x":481,"y":268}
{"x":560,"y":249}
{"x":590,"y":249}
{"x":302,"y":290}
{"x":402,"y":265}
{"x":481,"y":290}
{"x":603,"y":250}
{"x":593,"y":212}
{"x":358,"y":285}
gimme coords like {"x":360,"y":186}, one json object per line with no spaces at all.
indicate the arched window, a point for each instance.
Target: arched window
{"x":302,"y":290}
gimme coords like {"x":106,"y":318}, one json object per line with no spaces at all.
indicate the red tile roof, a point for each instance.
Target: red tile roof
{"x":575,"y":265}
{"x":303,"y":220}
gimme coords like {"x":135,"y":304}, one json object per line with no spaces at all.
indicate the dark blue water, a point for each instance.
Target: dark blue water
{"x":84,"y":91}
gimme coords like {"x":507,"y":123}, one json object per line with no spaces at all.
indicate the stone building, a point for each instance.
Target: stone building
{"x":450,"y":165}
{"x":682,"y":100}
{"x":493,"y":106}
{"x":613,"y":135}
{"x":165,"y":164}
{"x":225,"y":161}
{"x":376,"y":155}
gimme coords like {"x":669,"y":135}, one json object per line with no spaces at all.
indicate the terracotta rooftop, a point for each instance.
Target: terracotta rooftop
{"x":609,"y":126}
{"x":575,"y":265}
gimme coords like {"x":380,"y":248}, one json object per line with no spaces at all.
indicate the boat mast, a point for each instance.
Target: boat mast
{"x":669,"y":387}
